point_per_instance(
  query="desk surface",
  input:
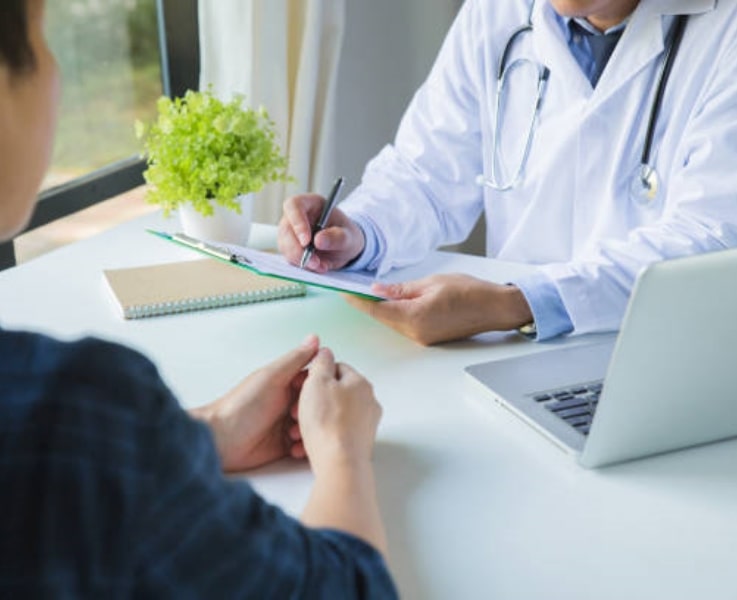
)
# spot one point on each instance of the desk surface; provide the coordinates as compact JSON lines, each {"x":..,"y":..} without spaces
{"x":477,"y":504}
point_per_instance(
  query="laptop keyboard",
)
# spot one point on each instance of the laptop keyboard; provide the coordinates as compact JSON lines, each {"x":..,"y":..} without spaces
{"x":575,"y":405}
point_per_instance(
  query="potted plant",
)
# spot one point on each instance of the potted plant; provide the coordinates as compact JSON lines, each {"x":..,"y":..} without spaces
{"x":205,"y":158}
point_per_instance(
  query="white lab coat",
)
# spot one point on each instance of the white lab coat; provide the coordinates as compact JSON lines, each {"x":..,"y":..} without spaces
{"x":573,"y":214}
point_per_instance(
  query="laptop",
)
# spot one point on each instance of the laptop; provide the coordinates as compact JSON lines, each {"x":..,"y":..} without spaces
{"x":667,"y":381}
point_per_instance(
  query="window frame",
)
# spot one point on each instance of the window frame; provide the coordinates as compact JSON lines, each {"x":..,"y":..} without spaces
{"x":180,"y":69}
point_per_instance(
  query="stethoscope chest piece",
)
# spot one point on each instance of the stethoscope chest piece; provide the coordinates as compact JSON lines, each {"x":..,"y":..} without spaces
{"x":644,"y":185}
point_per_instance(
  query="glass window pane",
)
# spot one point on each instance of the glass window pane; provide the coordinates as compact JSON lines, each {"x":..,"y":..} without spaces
{"x":108,"y":55}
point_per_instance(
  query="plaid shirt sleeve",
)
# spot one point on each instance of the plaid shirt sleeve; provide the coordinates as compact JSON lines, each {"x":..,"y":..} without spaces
{"x":110,"y":489}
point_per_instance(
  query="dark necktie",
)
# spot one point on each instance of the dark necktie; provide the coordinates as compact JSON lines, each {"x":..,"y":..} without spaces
{"x":602,"y":46}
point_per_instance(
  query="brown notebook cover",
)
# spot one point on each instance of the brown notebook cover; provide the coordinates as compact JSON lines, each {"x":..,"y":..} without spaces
{"x":191,"y":285}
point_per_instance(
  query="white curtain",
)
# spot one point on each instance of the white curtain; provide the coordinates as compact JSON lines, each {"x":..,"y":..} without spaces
{"x":282,"y":54}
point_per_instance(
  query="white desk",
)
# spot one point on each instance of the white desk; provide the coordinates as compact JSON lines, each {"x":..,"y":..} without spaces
{"x":477,"y":505}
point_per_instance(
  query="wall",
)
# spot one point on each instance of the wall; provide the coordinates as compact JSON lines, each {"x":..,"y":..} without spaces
{"x":388,"y":49}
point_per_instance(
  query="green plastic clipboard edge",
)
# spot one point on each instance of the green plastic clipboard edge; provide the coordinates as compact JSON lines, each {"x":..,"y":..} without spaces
{"x":166,"y":236}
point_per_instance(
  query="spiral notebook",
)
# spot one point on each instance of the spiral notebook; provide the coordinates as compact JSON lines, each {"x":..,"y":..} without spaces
{"x":169,"y":288}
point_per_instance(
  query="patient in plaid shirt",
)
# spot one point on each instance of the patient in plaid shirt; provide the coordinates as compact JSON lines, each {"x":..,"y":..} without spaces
{"x":109,"y":489}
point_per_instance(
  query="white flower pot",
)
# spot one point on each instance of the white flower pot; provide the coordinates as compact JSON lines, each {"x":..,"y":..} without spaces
{"x":224,"y":225}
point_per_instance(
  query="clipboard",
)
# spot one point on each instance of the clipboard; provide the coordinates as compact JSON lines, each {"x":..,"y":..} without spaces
{"x":357,"y":283}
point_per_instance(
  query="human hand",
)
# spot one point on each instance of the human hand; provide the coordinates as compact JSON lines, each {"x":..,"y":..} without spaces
{"x":336,"y":245}
{"x":441,"y":308}
{"x":252,"y":423}
{"x":338,"y":414}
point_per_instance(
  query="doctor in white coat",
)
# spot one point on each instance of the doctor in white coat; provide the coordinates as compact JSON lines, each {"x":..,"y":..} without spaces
{"x":612,"y":144}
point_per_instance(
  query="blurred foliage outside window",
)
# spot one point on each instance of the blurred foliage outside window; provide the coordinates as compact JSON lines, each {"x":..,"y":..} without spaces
{"x":108,"y":55}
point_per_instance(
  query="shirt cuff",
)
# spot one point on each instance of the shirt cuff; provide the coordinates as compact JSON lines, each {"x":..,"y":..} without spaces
{"x":374,"y":573}
{"x":368,"y":259}
{"x":548,"y":311}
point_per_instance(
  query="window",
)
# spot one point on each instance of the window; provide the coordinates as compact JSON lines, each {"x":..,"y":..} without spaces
{"x":108,"y":55}
{"x":116,"y":57}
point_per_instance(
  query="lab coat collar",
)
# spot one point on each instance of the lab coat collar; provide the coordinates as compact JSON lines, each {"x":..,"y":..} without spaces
{"x":642,"y":42}
{"x":676,"y":7}
{"x":551,"y":47}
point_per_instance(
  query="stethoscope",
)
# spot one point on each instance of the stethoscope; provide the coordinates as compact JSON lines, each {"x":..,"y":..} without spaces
{"x":645,"y":181}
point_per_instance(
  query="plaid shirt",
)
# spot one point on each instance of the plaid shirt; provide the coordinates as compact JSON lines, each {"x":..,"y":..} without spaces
{"x":109,"y":489}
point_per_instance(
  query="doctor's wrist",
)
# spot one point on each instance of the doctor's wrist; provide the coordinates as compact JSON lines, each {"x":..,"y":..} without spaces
{"x":364,"y":246}
{"x":518,"y":310}
{"x":359,"y":236}
{"x":497,"y":307}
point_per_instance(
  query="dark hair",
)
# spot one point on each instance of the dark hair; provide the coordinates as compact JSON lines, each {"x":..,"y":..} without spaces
{"x":15,"y":47}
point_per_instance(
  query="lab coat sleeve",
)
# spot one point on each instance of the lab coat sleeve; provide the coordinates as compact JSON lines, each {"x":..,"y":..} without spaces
{"x":420,"y":192}
{"x":700,"y":212}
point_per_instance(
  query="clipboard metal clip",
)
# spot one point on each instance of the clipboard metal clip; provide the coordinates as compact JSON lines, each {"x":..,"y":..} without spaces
{"x":217,"y":251}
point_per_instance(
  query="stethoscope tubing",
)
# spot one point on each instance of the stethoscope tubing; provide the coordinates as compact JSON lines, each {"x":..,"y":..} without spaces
{"x":648,"y":175}
{"x":670,"y":56}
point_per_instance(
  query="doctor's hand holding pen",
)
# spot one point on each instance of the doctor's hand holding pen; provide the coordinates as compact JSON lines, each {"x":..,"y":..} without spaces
{"x":331,"y":246}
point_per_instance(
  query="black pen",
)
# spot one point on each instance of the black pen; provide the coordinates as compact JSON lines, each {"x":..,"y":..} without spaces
{"x":330,"y":203}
